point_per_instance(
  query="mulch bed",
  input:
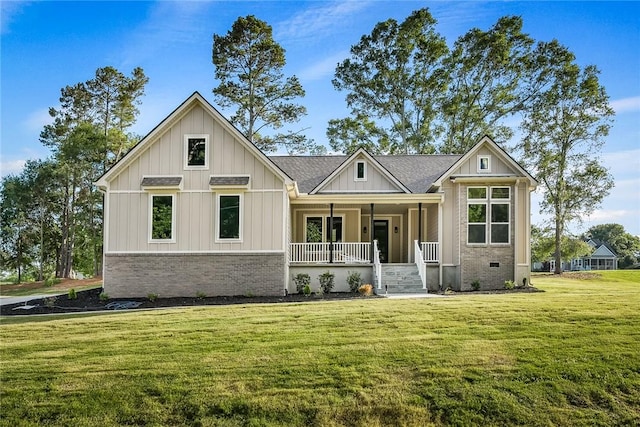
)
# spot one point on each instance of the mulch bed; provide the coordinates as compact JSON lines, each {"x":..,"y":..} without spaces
{"x":89,"y":300}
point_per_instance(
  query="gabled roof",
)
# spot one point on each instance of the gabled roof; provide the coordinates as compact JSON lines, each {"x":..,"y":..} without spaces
{"x":184,"y":108}
{"x":414,"y":172}
{"x":486,"y":140}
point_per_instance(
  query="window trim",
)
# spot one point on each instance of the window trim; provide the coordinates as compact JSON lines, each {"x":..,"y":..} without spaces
{"x":219,"y":239}
{"x":325,"y":221}
{"x":173,"y":218}
{"x":482,"y":157}
{"x":364,"y":171}
{"x":189,"y":136}
{"x":489,"y":202}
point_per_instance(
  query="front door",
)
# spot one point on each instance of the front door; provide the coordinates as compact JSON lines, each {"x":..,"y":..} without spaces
{"x":381,"y":234}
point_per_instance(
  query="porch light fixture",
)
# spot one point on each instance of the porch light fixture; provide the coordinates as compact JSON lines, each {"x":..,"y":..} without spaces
{"x":395,"y":230}
{"x":364,"y":229}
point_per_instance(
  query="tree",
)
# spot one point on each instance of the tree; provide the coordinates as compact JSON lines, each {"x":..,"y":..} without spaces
{"x":563,"y":132}
{"x":395,"y":81}
{"x":248,"y":64}
{"x":625,"y":245}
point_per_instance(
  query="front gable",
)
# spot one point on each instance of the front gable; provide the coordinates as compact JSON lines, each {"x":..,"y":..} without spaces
{"x":360,"y":173}
{"x":603,"y":252}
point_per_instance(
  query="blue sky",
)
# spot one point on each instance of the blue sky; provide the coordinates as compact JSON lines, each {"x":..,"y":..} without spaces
{"x":48,"y":45}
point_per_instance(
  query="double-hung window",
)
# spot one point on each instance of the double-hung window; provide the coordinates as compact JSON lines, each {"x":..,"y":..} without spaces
{"x":318,"y":229}
{"x":488,"y":215}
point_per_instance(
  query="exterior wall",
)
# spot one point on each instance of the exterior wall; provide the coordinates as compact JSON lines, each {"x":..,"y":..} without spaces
{"x":352,"y":227}
{"x":522,"y":242}
{"x":341,"y":272}
{"x":345,"y":182}
{"x":175,"y":275}
{"x":476,"y":260}
{"x":470,"y":167}
{"x":450,"y":225}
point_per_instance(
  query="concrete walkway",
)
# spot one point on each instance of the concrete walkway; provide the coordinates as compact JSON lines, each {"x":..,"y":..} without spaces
{"x":4,"y":300}
{"x":410,"y":296}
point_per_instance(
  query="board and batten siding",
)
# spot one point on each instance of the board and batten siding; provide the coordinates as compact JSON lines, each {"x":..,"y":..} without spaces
{"x":345,"y":181}
{"x":497,"y":166}
{"x":263,"y":203}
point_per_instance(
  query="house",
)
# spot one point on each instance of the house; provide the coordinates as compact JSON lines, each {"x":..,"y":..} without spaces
{"x":602,"y":257}
{"x":195,"y":208}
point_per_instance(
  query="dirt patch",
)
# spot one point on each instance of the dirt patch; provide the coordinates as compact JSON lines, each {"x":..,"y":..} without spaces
{"x":89,"y":300}
{"x":63,"y":286}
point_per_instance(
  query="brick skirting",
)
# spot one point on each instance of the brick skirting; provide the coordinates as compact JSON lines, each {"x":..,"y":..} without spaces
{"x":186,"y":275}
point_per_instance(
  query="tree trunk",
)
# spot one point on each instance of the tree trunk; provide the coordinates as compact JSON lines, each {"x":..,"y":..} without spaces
{"x":558,"y":253}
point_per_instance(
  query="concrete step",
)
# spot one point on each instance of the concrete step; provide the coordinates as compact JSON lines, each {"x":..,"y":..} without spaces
{"x":401,"y":279}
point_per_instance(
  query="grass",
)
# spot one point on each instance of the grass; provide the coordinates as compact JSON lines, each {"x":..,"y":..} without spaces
{"x":566,"y":356}
{"x":37,"y":288}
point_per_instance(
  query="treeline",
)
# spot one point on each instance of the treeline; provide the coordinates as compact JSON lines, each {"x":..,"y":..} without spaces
{"x":51,"y":214}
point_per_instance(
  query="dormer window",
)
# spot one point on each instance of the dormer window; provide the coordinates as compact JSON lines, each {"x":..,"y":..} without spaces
{"x":361,"y":170}
{"x":196,"y":151}
{"x":484,"y":164}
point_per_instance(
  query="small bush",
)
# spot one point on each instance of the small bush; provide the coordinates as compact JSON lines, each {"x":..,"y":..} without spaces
{"x":365,"y":290}
{"x":509,"y":284}
{"x":306,"y":290}
{"x":201,"y":295}
{"x":152,"y":297}
{"x":103,"y":296}
{"x":326,"y":280}
{"x":301,"y":280}
{"x":72,"y":294}
{"x":475,"y":285}
{"x":354,"y":280}
{"x":50,"y":301}
{"x":51,"y":280}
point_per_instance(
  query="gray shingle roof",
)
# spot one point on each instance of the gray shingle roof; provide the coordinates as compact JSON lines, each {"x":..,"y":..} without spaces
{"x":416,"y":172}
{"x":161,"y":181}
{"x":229,"y":180}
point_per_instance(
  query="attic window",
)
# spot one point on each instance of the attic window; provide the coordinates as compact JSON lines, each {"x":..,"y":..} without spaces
{"x":484,"y":164}
{"x":361,"y":170}
{"x":196,"y":151}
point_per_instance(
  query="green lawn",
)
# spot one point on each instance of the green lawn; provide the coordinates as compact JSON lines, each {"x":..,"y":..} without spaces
{"x":566,"y":356}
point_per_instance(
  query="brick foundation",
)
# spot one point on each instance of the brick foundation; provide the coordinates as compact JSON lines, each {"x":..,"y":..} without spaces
{"x":186,"y":275}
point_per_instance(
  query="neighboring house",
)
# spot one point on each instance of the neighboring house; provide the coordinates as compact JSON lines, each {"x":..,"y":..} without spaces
{"x":195,"y":208}
{"x":602,"y":257}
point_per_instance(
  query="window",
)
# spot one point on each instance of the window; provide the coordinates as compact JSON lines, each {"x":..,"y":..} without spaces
{"x":484,"y":163}
{"x":162,"y":224}
{"x":318,"y":229}
{"x":229,"y":217}
{"x":196,"y":148}
{"x":498,"y":218}
{"x":361,"y":170}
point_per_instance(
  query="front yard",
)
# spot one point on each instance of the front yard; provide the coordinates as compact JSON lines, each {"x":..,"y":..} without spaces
{"x":566,"y":356}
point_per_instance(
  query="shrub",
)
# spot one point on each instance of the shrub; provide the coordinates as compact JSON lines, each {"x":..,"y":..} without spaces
{"x":51,"y":280}
{"x":354,"y":280}
{"x":152,"y":297}
{"x":509,"y":284}
{"x":72,"y":294}
{"x":306,"y":290}
{"x":50,"y":301}
{"x":475,"y":285}
{"x":326,"y":280}
{"x":201,"y":295}
{"x":365,"y":290}
{"x":301,"y":280}
{"x":103,"y":296}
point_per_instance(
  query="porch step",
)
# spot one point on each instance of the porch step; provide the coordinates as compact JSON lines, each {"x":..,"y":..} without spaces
{"x":401,"y":279}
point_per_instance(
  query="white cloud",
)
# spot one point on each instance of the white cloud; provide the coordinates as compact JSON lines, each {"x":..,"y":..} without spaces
{"x":623,"y":163}
{"x":10,"y":167}
{"x":37,"y":119}
{"x":8,"y":11}
{"x":626,"y":105}
{"x":323,"y":68}
{"x":318,"y":21}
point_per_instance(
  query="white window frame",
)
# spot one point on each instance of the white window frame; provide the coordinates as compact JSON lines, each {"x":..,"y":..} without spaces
{"x":482,"y":157}
{"x":325,"y":222}
{"x":489,"y":202}
{"x":364,"y":169}
{"x":207,"y":154}
{"x":173,"y":218}
{"x":218,"y":239}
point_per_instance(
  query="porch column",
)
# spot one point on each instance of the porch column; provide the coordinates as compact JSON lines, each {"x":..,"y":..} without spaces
{"x":371,"y":234}
{"x":419,"y":223}
{"x":330,"y":233}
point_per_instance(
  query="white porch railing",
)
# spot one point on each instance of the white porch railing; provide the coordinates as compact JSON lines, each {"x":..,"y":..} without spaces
{"x":430,"y":251}
{"x":377,"y":266}
{"x":318,"y":253}
{"x":422,"y":266}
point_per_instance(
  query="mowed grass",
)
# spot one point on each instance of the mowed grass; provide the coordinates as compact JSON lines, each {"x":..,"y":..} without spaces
{"x":566,"y":356}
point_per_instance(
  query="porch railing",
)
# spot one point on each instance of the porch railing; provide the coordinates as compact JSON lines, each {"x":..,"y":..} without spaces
{"x":377,"y":266}
{"x":420,"y":263}
{"x":318,"y":253}
{"x":430,"y":251}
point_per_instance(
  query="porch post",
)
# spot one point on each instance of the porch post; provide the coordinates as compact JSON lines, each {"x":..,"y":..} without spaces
{"x":371,"y":233}
{"x":419,"y":223}
{"x":330,"y":233}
